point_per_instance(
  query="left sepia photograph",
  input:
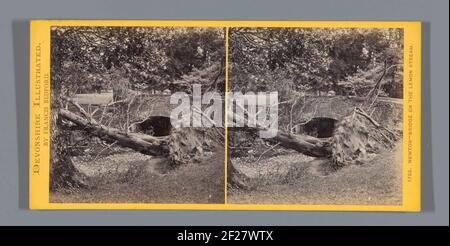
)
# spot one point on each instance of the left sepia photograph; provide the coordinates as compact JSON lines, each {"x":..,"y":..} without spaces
{"x":112,"y":112}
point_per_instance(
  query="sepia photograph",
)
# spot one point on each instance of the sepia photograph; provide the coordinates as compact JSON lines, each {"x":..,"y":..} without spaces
{"x":112,"y":101}
{"x":337,"y":138}
{"x":222,"y":115}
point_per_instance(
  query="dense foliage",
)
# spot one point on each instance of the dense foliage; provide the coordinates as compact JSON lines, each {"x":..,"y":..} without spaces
{"x":315,"y":60}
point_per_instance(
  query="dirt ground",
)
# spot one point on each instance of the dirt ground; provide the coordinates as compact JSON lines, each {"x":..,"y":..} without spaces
{"x":298,"y":179}
{"x":290,"y":178}
{"x":130,"y":177}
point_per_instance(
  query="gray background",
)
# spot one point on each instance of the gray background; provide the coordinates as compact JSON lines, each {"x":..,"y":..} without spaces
{"x":14,"y":38}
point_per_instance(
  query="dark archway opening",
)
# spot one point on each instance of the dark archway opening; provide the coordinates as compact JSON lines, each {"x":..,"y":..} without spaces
{"x":320,"y":127}
{"x":154,"y":125}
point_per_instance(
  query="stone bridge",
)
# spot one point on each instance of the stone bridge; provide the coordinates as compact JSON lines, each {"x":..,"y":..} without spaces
{"x":387,"y":111}
{"x":328,"y":110}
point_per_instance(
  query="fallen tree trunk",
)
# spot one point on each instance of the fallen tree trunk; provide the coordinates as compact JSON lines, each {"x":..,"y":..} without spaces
{"x":304,"y":144}
{"x":150,"y":145}
{"x":180,"y":147}
{"x":142,"y":143}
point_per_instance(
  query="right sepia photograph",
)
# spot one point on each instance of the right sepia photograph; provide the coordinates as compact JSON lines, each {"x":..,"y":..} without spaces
{"x":330,"y":102}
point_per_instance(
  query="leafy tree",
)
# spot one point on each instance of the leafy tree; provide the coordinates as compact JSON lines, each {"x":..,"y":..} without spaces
{"x":93,"y":59}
